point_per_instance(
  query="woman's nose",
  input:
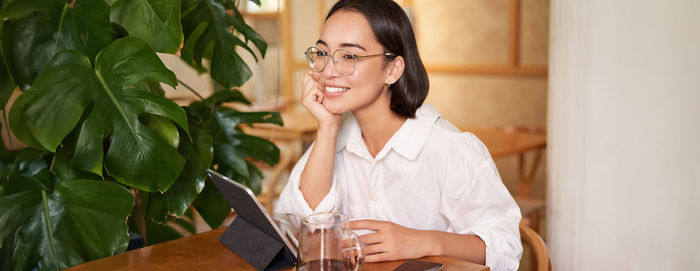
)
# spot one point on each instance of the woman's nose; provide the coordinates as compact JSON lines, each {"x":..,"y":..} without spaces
{"x":331,"y":70}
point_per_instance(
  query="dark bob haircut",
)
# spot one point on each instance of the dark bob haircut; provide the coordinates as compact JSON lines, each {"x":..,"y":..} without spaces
{"x":394,"y":32}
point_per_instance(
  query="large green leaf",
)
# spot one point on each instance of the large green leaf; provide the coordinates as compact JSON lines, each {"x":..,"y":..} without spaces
{"x":228,"y":119}
{"x":158,"y":233}
{"x":226,"y":96}
{"x":80,"y":220}
{"x":164,"y":128}
{"x":66,"y":168}
{"x":231,"y":162}
{"x":6,"y":246}
{"x":6,"y":158}
{"x":152,"y":232}
{"x":178,"y":198}
{"x":18,"y":8}
{"x":211,"y":205}
{"x":136,"y":155}
{"x":231,"y":145}
{"x":155,"y":21}
{"x":31,"y":40}
{"x":206,"y":24}
{"x":7,"y":84}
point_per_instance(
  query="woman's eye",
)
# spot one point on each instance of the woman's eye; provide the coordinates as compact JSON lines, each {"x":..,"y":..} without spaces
{"x":348,"y":56}
{"x":322,"y":53}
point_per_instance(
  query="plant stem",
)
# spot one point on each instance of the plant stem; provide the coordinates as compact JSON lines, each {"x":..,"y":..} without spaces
{"x":140,"y":216}
{"x":49,"y":228}
{"x":7,"y":130}
{"x":191,"y":89}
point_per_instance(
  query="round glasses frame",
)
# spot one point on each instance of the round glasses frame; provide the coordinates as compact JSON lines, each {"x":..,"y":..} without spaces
{"x":346,"y":59}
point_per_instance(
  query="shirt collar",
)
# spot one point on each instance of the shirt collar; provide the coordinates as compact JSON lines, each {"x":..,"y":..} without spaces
{"x":408,"y":141}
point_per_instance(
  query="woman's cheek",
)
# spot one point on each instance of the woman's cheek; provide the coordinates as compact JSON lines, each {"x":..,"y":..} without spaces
{"x":316,"y":76}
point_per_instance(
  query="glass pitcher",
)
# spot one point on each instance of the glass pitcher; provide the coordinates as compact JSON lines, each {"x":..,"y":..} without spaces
{"x":327,"y":243}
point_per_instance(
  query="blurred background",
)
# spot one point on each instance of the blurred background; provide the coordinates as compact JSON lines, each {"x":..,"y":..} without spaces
{"x":486,"y":61}
{"x":590,"y":108}
{"x":612,"y":85}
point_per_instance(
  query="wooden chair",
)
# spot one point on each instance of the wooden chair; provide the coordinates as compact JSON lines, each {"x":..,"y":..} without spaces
{"x":542,"y":259}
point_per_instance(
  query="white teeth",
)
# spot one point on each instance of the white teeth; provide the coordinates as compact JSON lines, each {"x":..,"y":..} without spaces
{"x":335,"y":89}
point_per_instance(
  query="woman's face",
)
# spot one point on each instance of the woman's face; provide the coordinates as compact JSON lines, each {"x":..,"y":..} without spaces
{"x":366,"y":86}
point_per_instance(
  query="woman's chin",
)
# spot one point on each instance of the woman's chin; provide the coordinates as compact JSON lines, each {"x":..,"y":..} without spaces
{"x":335,"y":108}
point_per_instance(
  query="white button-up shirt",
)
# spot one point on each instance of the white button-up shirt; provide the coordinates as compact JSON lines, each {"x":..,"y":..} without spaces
{"x":428,"y":176}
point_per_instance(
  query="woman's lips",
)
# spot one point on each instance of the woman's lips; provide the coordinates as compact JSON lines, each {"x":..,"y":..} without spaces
{"x":334,"y":91}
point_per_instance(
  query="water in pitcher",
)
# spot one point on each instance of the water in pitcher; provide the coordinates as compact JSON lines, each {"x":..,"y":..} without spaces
{"x":326,"y":265}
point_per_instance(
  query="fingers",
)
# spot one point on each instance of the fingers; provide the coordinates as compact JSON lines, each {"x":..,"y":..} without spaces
{"x":309,"y":83}
{"x":371,"y":238}
{"x":313,"y":99}
{"x":311,"y":89}
{"x":390,"y":241}
{"x":369,"y":224}
{"x":375,"y":248}
{"x":389,"y":251}
{"x":380,"y":257}
{"x":380,"y":253}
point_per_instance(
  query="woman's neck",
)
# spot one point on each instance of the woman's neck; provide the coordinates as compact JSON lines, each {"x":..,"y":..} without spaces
{"x":378,"y":124}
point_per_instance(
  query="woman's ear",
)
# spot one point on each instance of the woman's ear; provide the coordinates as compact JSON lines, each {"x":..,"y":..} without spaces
{"x":395,"y":70}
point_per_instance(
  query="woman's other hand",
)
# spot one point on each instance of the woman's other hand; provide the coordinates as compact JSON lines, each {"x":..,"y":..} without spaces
{"x":391,"y":241}
{"x":312,"y":98}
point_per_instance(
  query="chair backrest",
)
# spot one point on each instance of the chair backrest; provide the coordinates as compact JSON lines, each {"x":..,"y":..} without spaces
{"x":540,"y":249}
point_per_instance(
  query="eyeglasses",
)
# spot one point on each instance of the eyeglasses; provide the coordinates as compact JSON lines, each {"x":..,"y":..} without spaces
{"x":343,"y":60}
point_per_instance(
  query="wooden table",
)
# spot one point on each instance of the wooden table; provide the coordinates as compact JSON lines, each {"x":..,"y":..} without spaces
{"x":502,"y":143}
{"x":204,"y":252}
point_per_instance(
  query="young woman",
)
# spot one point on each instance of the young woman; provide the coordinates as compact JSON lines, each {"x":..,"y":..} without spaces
{"x":420,"y":184}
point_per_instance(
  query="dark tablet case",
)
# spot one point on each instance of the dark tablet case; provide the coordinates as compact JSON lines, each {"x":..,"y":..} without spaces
{"x":252,"y":235}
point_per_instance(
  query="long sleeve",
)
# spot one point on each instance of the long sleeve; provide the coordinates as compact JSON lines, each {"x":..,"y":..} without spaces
{"x":475,"y":201}
{"x":291,"y":201}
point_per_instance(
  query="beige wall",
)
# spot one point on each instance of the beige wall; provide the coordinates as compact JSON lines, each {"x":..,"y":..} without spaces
{"x":475,"y":34}
{"x":624,"y":135}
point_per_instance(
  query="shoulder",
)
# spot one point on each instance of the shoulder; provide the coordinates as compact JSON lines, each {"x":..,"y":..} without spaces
{"x":432,"y":137}
{"x":457,"y":158}
{"x":452,"y":143}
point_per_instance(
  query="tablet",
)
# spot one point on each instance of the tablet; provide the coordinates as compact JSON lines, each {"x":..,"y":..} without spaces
{"x":247,"y":206}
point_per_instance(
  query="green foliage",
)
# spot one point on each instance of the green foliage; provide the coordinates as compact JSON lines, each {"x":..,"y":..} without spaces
{"x":107,"y":152}
{"x":231,"y":146}
{"x":60,"y":224}
{"x":190,"y":183}
{"x":211,"y":205}
{"x":155,"y":21}
{"x":48,"y":27}
{"x":7,"y":84}
{"x":223,"y":124}
{"x":134,"y":151}
{"x":205,"y":24}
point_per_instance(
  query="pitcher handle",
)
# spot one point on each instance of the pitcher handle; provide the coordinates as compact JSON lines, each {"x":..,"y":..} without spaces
{"x":357,"y":249}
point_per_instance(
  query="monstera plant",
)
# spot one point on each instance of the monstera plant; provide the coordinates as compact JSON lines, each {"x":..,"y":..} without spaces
{"x":107,"y":152}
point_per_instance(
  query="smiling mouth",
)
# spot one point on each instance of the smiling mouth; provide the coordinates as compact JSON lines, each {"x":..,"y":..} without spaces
{"x":336,"y":90}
